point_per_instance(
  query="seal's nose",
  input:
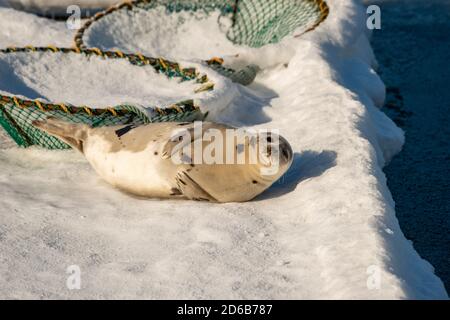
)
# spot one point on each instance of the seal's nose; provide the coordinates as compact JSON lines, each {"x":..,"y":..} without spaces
{"x":286,"y":151}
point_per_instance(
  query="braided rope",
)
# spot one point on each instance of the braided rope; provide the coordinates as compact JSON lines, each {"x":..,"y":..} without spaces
{"x":16,"y":114}
{"x":324,"y":12}
{"x":130,"y":5}
{"x":232,"y":7}
{"x":171,"y":69}
{"x":78,"y":39}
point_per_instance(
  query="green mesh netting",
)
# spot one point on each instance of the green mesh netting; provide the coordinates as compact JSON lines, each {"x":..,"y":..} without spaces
{"x":260,"y":22}
{"x":17,"y":115}
{"x":18,"y":121}
{"x":256,"y":23}
{"x":253,"y":23}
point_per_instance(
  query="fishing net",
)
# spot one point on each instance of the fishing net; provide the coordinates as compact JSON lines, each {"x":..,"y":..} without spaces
{"x":252,"y":23}
{"x":260,"y":22}
{"x":17,"y":114}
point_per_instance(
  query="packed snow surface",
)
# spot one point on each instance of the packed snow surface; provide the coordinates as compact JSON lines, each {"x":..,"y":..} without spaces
{"x":326,"y":230}
{"x":60,"y":77}
{"x":58,"y":7}
{"x":156,"y":33}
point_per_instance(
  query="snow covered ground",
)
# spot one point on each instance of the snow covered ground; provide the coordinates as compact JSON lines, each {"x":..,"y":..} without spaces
{"x":326,"y":230}
{"x":58,"y":7}
{"x":61,"y":77}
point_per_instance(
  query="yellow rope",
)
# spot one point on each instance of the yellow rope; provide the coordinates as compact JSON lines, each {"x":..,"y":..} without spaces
{"x":160,"y":111}
{"x":39,"y":104}
{"x":16,"y":102}
{"x":88,"y":110}
{"x":207,"y":86}
{"x":216,"y":60}
{"x":45,"y":107}
{"x":179,"y":110}
{"x":98,"y":15}
{"x":53,"y":48}
{"x":128,"y":4}
{"x":140,"y":56}
{"x":113,"y":112}
{"x":119,"y":53}
{"x":161,"y":61}
{"x":64,"y":107}
{"x":97,"y":51}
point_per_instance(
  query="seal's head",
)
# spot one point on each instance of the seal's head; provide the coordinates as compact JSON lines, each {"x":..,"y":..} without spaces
{"x":249,"y":164}
{"x":275,"y":155}
{"x":226,"y":164}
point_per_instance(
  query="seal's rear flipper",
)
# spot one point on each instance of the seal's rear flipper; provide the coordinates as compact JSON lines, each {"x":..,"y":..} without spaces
{"x":71,"y":133}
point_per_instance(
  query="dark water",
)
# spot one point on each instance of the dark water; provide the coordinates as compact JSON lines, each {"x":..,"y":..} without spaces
{"x":413,"y":49}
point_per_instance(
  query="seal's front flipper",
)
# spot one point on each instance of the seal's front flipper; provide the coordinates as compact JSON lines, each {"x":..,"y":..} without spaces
{"x":191,"y":189}
{"x":71,"y":133}
{"x":180,"y":139}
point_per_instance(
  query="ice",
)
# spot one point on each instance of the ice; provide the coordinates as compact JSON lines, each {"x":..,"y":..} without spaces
{"x":319,"y":233}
